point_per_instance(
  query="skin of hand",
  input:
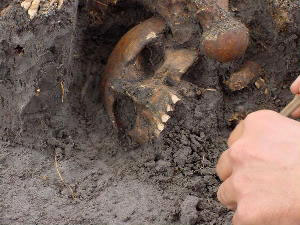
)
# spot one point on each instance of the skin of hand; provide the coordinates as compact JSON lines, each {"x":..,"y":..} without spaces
{"x":261,"y":171}
{"x":295,"y":88}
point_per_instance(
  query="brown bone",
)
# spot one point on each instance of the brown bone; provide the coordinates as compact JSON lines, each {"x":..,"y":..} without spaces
{"x":152,"y":99}
{"x":239,"y":80}
{"x":224,"y":38}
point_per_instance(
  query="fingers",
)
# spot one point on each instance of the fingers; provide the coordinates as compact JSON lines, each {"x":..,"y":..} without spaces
{"x":295,"y":87}
{"x":227,"y":195}
{"x":296,"y":114}
{"x":224,"y":166}
{"x":236,"y":133}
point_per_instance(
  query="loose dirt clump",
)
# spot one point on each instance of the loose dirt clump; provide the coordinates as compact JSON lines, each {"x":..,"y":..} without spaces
{"x":52,"y":115}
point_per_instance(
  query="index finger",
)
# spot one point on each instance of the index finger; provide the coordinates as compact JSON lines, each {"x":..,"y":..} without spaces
{"x":224,"y":166}
{"x":295,"y":87}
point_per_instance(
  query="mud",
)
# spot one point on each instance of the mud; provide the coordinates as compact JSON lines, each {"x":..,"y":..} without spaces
{"x":51,"y":111}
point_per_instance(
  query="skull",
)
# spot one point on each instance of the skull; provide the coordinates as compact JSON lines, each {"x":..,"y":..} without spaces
{"x":148,"y":99}
{"x":126,"y":85}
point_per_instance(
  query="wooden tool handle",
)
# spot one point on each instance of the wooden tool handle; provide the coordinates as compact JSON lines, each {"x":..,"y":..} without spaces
{"x":291,"y":107}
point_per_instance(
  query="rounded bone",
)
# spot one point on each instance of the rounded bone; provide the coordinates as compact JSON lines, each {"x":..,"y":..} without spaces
{"x":224,"y":38}
{"x":177,"y":62}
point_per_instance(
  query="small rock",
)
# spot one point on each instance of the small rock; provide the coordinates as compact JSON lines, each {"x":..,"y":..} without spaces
{"x":266,"y":91}
{"x":260,"y":83}
{"x":180,"y":157}
{"x":189,"y":213}
{"x":162,"y":166}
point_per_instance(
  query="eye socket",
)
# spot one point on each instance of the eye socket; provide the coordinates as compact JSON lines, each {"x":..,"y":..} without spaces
{"x":152,"y":57}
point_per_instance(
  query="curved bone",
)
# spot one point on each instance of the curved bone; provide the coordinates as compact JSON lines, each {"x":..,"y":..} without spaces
{"x":131,"y":44}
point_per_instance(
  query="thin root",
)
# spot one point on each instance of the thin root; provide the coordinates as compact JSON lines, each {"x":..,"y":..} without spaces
{"x":62,"y":91}
{"x":62,"y":179}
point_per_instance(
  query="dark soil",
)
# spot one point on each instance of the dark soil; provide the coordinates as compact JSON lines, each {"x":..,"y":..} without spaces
{"x":51,"y":111}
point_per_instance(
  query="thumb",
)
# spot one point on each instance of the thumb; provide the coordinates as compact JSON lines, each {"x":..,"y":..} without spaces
{"x":295,"y":87}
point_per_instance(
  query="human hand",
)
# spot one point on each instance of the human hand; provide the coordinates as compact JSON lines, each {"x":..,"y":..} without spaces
{"x":295,"y":89}
{"x":261,"y":171}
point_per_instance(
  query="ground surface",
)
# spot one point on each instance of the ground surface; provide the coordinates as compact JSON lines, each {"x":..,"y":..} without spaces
{"x":108,"y":179}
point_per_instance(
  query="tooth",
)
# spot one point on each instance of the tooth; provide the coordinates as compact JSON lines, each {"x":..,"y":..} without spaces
{"x":175,"y":99}
{"x":169,"y":108}
{"x":160,"y":127}
{"x":165,"y":118}
{"x":157,"y":132}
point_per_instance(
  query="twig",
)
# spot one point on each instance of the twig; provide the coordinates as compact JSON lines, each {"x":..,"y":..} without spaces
{"x":62,"y":91}
{"x":62,"y":179}
{"x":101,"y":3}
{"x":291,"y":107}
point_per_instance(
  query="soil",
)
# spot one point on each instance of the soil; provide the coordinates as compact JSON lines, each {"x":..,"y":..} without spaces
{"x":61,"y":161}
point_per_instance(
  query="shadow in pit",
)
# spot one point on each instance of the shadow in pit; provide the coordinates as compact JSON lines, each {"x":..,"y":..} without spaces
{"x":103,"y":26}
{"x":99,"y":28}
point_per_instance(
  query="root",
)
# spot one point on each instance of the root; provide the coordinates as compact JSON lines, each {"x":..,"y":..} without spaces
{"x":73,"y":194}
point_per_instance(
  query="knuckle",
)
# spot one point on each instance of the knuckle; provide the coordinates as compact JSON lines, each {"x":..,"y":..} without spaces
{"x":239,"y":183}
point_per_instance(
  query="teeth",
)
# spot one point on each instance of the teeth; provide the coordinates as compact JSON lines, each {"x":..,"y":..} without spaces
{"x":160,"y":127}
{"x":175,"y":99}
{"x":169,"y":108}
{"x":165,"y":118}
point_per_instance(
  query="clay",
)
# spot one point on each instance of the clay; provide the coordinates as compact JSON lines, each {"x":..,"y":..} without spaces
{"x":189,"y":210}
